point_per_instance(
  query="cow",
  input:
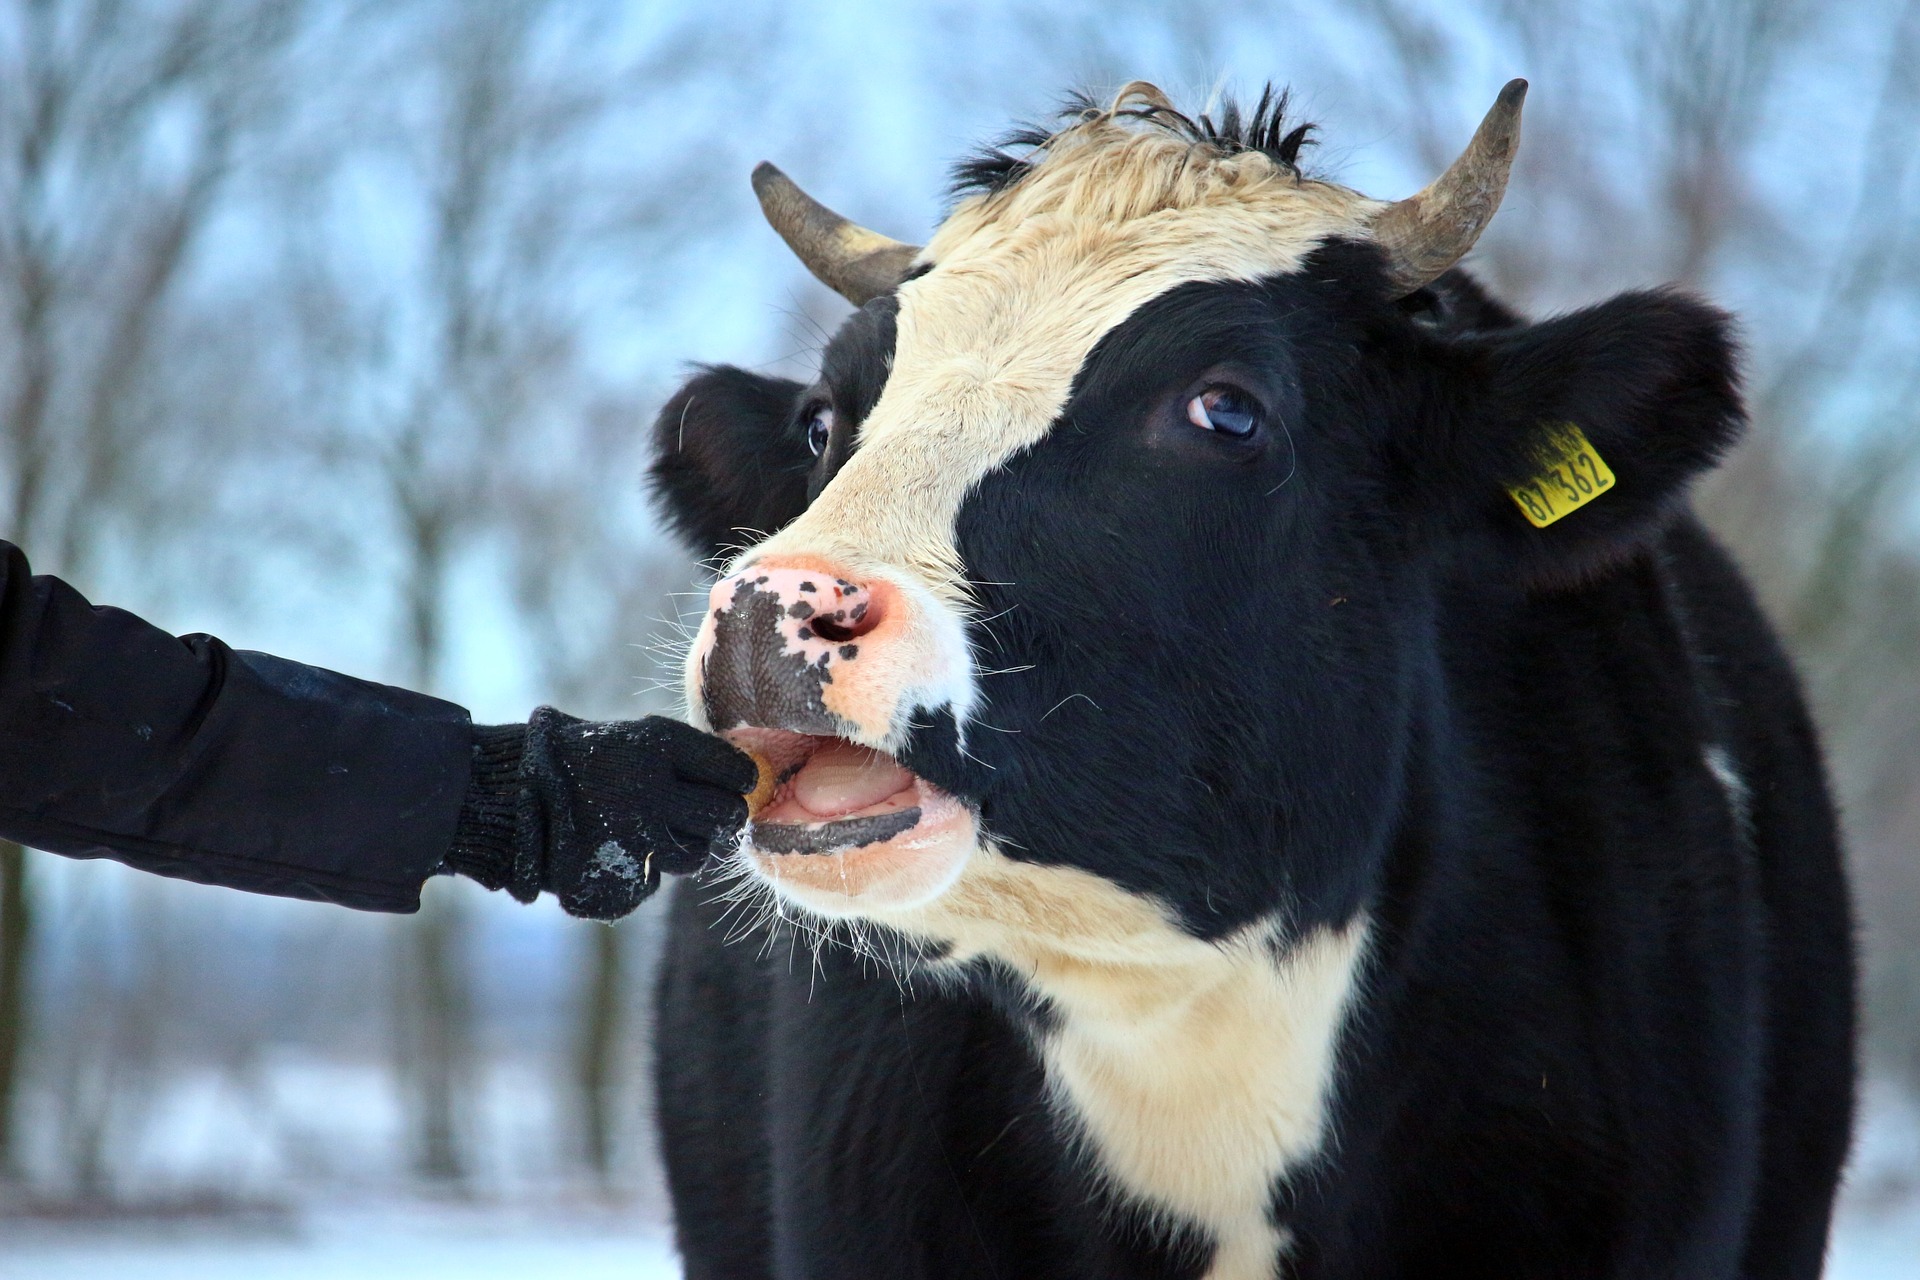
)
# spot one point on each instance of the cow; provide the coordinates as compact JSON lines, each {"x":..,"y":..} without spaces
{"x":1271,"y":777}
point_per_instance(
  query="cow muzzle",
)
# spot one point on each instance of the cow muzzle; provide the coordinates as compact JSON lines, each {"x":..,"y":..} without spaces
{"x":820,"y":671}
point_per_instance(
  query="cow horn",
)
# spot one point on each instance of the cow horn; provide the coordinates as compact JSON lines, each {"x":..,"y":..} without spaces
{"x":1431,"y":230}
{"x":854,"y":262}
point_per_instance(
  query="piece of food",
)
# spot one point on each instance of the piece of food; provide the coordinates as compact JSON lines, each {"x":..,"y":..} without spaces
{"x":764,"y":786}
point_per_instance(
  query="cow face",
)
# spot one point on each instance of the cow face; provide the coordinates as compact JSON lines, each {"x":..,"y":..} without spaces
{"x":1097,"y":588}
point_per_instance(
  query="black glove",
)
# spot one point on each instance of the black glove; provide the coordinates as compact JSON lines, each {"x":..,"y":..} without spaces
{"x":594,"y":812}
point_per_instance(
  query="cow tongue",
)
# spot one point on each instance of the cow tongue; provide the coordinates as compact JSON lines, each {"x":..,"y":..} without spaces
{"x":841,"y":779}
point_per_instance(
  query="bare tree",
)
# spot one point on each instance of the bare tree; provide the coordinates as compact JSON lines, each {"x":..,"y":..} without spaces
{"x":454,"y":376}
{"x":594,"y":581}
{"x":119,"y":126}
{"x":436,"y":446}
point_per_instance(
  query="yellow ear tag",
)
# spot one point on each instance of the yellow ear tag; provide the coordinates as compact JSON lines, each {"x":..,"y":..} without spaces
{"x":1574,"y":476}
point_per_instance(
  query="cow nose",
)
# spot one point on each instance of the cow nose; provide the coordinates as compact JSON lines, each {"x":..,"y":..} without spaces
{"x":816,"y":597}
{"x":783,"y":644}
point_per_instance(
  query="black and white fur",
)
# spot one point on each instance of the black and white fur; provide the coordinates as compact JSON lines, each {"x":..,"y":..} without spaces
{"x":1600,"y":1018}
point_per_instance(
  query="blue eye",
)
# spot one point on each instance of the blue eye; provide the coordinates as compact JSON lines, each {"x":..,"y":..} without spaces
{"x":1227,"y":410}
{"x":819,"y":428}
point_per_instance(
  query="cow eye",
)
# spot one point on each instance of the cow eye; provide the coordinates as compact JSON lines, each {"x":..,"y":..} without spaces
{"x":819,"y":427}
{"x":1228,"y":410}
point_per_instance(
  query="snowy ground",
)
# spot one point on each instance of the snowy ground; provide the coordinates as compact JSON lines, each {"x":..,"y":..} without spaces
{"x":1877,"y":1232}
{"x":437,"y":1243}
{"x":1876,"y":1237}
{"x":418,"y":1242}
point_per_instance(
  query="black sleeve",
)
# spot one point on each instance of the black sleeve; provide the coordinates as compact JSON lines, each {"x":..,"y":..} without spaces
{"x":183,"y":757}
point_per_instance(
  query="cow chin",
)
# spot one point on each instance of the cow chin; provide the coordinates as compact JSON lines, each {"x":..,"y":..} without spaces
{"x":848,"y":833}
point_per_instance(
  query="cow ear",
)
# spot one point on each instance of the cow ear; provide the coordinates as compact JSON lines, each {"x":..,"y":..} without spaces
{"x":1599,"y":419}
{"x":730,"y":458}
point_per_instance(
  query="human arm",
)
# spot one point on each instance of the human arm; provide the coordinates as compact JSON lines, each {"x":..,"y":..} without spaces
{"x":181,"y":756}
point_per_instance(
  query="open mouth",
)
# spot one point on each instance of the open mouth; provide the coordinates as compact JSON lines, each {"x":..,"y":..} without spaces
{"x":831,"y":796}
{"x":848,"y":831}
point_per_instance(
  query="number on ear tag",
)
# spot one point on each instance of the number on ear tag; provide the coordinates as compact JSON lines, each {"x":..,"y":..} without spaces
{"x":1573,"y":476}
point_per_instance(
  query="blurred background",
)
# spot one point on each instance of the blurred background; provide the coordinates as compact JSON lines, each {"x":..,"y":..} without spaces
{"x":333,"y":327}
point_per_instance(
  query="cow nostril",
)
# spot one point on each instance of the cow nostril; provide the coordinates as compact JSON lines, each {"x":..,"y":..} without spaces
{"x":857,"y":615}
{"x":832,"y":632}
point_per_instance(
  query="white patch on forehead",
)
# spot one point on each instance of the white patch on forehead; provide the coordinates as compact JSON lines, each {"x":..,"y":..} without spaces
{"x":1023,"y":285}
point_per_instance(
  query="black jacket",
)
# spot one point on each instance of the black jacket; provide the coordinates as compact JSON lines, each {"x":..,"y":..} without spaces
{"x":184,"y":757}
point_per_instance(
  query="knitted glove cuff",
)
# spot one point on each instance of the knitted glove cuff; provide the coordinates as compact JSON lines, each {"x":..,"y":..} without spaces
{"x":483,"y":838}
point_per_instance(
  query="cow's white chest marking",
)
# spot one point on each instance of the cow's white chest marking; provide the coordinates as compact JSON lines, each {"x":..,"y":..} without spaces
{"x":1199,"y":1090}
{"x":1197,"y":1073}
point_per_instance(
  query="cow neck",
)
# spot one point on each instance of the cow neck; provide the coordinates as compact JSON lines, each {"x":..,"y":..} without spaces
{"x":1198,"y":1073}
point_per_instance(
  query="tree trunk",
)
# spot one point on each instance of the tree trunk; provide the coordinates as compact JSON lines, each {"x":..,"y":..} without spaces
{"x":436,"y":1037}
{"x":15,"y":932}
{"x":597,"y":1050}
{"x":435,"y":1003}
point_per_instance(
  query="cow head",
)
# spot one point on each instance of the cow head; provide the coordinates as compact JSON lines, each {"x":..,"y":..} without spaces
{"x":1092,"y":581}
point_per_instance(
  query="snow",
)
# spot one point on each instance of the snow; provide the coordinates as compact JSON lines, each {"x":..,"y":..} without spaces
{"x":417,"y":1242}
{"x":1876,"y":1233}
{"x":543,"y":1230}
{"x":1883,"y":1246}
{"x":413,"y":1242}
